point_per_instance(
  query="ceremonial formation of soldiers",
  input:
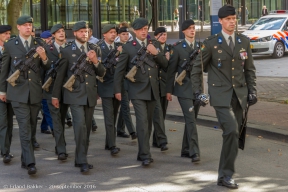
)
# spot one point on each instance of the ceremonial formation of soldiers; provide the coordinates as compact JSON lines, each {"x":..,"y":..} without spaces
{"x":121,"y":68}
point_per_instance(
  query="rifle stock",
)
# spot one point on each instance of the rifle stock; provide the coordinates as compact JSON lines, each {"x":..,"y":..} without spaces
{"x":47,"y":84}
{"x":130,"y":75}
{"x":180,"y":77}
{"x":13,"y":77}
{"x":68,"y":85}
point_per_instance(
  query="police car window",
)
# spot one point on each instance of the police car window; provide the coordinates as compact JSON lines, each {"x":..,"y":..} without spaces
{"x":268,"y":23}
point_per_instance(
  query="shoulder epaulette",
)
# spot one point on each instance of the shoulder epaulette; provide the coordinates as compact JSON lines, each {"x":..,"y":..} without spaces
{"x":242,"y":35}
{"x":11,"y":39}
{"x":68,"y":43}
{"x":178,"y":42}
{"x":211,"y":37}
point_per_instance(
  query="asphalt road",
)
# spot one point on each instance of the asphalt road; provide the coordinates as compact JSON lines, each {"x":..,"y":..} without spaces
{"x":262,"y":166}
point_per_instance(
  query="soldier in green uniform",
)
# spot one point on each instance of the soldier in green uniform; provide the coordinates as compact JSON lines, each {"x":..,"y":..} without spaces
{"x":57,"y":114}
{"x":124,"y":117}
{"x":6,"y":111}
{"x":179,"y":54}
{"x":228,"y":60}
{"x":144,"y":91}
{"x":110,"y":104}
{"x":26,"y":95}
{"x":83,"y":96}
{"x":159,"y":136}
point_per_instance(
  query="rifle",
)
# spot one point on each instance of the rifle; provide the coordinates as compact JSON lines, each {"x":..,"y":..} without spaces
{"x":187,"y":66}
{"x":243,"y":128}
{"x":139,"y":60}
{"x":25,"y":65}
{"x":52,"y":75}
{"x":78,"y":69}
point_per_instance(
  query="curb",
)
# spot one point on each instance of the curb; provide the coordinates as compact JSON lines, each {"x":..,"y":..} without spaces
{"x":262,"y":131}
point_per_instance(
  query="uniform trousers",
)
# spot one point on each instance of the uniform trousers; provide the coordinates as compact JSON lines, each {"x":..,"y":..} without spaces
{"x":6,"y":127}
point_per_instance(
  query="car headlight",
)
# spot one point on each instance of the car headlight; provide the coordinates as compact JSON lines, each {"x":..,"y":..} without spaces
{"x":264,"y":39}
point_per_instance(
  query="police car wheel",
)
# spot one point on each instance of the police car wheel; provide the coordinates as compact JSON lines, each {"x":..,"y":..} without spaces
{"x":278,"y":50}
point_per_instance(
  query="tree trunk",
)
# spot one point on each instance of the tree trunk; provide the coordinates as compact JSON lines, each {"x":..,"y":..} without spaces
{"x":14,"y":9}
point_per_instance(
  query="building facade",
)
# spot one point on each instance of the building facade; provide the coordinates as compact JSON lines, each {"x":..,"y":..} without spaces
{"x":97,"y":13}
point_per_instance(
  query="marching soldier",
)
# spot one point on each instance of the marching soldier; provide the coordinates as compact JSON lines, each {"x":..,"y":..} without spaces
{"x":81,"y":89}
{"x":180,"y":54}
{"x":124,"y":114}
{"x":159,"y":136}
{"x":57,"y":114}
{"x":228,"y":60}
{"x":144,"y":89}
{"x":24,"y":92}
{"x":6,"y":111}
{"x":110,"y":104}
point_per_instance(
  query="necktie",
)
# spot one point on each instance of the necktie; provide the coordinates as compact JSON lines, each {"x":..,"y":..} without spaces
{"x":191,"y":45}
{"x":110,"y":47}
{"x":26,"y":45}
{"x":82,"y":49}
{"x":143,"y":44}
{"x":231,"y":44}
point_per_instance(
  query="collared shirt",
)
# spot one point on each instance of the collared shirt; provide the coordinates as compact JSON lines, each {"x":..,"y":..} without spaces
{"x":140,"y":42}
{"x":23,"y":40}
{"x":58,"y":46}
{"x":226,"y":37}
{"x":93,"y":40}
{"x":1,"y":49}
{"x":108,"y":45}
{"x":78,"y":44}
{"x":188,"y":42}
{"x":163,"y":46}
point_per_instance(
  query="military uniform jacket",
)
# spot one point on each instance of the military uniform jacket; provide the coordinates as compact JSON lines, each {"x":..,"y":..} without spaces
{"x":82,"y":92}
{"x":163,"y":71}
{"x":227,"y":71}
{"x":0,"y":72}
{"x":179,"y":54}
{"x":146,"y":86}
{"x":53,"y":55}
{"x":105,"y":89}
{"x":25,"y":89}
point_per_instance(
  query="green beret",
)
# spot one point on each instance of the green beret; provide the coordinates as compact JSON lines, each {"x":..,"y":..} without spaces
{"x":160,"y":30}
{"x":108,"y":27}
{"x":24,"y":19}
{"x":5,"y":28}
{"x":80,"y":25}
{"x":226,"y":11}
{"x":187,"y":23}
{"x":56,"y":28}
{"x":139,"y":23}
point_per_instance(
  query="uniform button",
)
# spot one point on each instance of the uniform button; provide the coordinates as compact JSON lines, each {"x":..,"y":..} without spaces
{"x":149,"y":69}
{"x":233,"y":68}
{"x":86,"y":75}
{"x":86,"y":83}
{"x":29,"y":79}
{"x":160,"y":72}
{"x":29,"y":71}
{"x":159,"y":77}
{"x":213,"y":84}
{"x":233,"y":85}
{"x":232,"y":60}
{"x":149,"y":76}
{"x":232,"y":77}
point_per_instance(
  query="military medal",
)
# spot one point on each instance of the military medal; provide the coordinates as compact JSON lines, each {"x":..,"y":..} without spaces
{"x":219,"y":51}
{"x":219,"y":65}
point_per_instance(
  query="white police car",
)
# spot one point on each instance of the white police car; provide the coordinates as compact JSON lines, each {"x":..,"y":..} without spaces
{"x":269,"y":34}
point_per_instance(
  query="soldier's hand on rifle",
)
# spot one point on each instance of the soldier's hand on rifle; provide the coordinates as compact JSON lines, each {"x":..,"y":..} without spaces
{"x":169,"y":96}
{"x":119,"y":49}
{"x":252,"y":98}
{"x":118,"y":96}
{"x":92,"y":56}
{"x":152,"y":49}
{"x":55,"y":102}
{"x":167,"y":55}
{"x":3,"y":98}
{"x":41,"y":52}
